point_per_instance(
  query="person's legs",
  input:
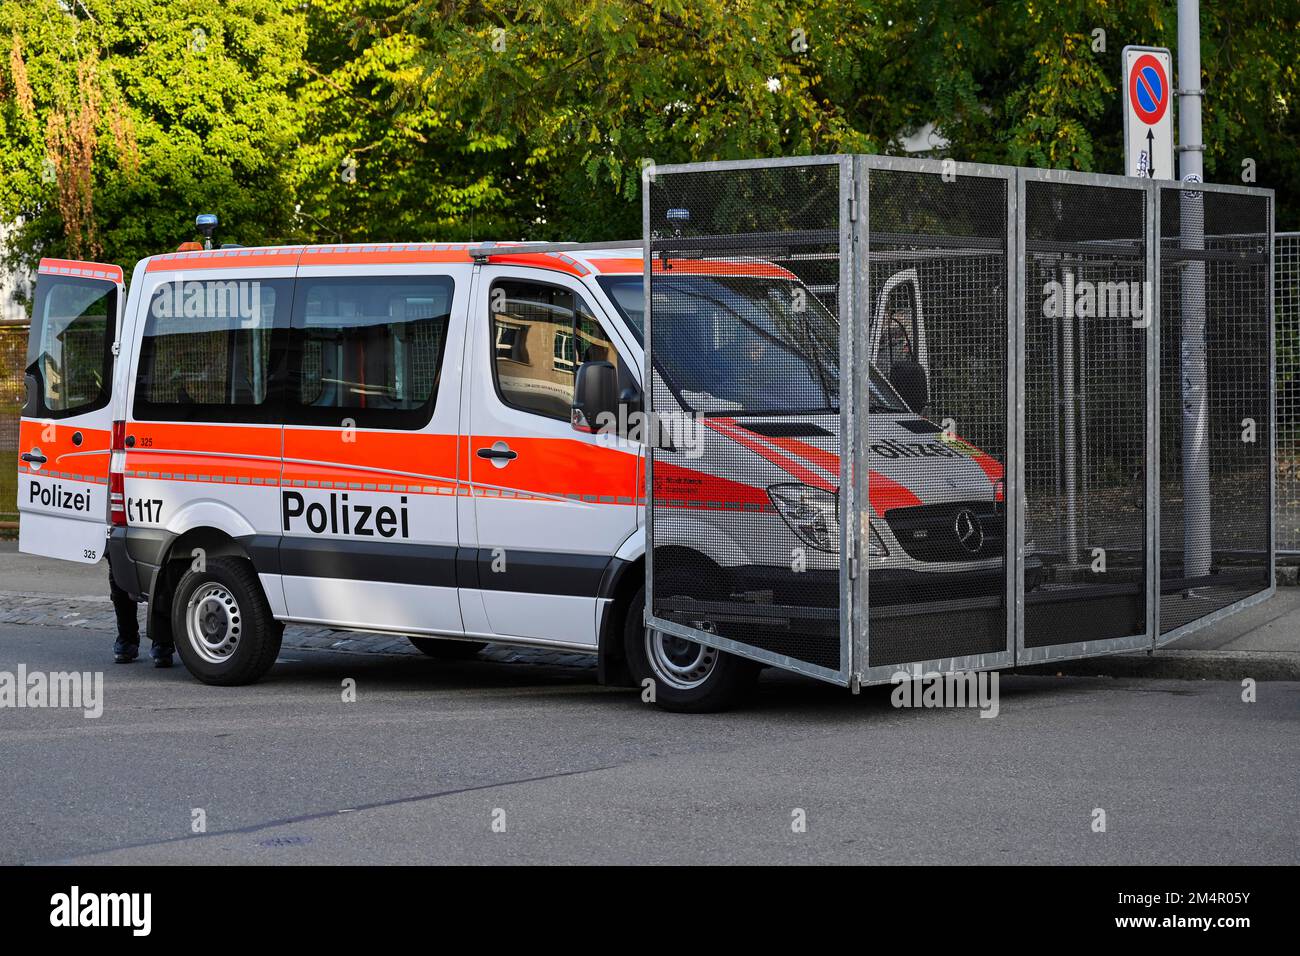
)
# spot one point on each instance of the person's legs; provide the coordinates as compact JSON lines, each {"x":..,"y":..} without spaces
{"x":127,"y":645}
{"x":161,"y":637}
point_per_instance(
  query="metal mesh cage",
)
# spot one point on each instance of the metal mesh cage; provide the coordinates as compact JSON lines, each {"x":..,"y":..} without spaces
{"x":1286,"y":299}
{"x":1061,"y":412}
{"x":1086,"y":311}
{"x":933,"y":517}
{"x":744,"y":334}
{"x":1215,"y":456}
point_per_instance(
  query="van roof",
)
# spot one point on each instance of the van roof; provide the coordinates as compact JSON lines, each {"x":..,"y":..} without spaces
{"x":625,"y":259}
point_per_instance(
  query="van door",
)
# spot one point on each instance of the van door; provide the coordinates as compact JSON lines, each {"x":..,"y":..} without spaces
{"x":551,"y":505}
{"x":370,"y":445}
{"x":898,"y":324}
{"x":65,"y":436}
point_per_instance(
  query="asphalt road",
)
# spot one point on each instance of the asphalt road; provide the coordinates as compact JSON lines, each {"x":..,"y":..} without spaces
{"x":430,"y":755}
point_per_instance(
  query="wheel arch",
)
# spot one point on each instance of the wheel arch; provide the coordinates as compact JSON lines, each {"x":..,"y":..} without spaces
{"x":620,"y":586}
{"x":179,"y":554}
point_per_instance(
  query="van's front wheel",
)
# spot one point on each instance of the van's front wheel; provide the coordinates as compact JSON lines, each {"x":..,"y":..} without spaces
{"x":222,"y":625}
{"x":688,"y":677}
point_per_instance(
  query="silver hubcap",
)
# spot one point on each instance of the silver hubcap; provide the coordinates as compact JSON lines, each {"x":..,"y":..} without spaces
{"x":213,"y":623}
{"x":678,"y":662}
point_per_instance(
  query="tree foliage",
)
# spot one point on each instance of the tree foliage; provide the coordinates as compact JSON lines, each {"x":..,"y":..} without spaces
{"x":334,"y":120}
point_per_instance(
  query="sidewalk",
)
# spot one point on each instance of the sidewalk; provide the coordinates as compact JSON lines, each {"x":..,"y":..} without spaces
{"x":1262,"y":642}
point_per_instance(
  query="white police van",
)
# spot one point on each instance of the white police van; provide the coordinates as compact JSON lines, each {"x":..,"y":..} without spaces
{"x":406,"y":439}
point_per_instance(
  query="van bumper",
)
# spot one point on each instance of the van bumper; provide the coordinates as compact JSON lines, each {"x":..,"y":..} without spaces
{"x":135,"y":554}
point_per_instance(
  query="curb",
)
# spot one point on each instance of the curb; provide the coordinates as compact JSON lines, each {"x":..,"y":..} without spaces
{"x":1180,"y":665}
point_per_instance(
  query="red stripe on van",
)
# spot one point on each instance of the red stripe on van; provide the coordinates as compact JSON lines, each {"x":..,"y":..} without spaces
{"x":826,"y":460}
{"x":678,"y":487}
{"x":886,"y":494}
{"x":786,"y":464}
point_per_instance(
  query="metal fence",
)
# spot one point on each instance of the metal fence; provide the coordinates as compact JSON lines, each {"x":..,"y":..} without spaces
{"x":1010,"y":416}
{"x":1286,"y":304}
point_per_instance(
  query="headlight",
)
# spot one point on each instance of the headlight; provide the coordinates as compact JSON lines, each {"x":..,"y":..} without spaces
{"x":875,"y":546}
{"x":811,"y":513}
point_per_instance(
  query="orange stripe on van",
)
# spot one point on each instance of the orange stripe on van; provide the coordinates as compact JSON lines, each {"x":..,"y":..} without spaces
{"x":415,"y":460}
{"x":75,"y":267}
{"x":711,"y":267}
{"x":385,"y":254}
{"x":85,"y":462}
{"x":259,"y":258}
{"x":558,"y":467}
{"x":231,"y":440}
{"x":555,"y":261}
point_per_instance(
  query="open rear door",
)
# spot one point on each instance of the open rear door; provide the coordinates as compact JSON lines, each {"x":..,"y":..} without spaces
{"x":65,"y":437}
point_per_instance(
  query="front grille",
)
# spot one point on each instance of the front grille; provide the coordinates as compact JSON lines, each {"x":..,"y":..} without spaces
{"x":931,"y":532}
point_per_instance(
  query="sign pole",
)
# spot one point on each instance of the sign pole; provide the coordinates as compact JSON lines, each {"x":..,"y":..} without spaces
{"x":1197,"y":548}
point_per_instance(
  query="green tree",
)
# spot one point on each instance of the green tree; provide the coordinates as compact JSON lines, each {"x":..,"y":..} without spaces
{"x":123,"y":118}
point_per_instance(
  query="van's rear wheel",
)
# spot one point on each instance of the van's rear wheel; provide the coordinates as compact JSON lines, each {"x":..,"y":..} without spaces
{"x":446,"y":650}
{"x":688,"y":677}
{"x":222,"y":625}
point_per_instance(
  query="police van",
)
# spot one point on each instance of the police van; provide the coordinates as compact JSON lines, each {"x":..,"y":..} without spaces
{"x":415,"y":439}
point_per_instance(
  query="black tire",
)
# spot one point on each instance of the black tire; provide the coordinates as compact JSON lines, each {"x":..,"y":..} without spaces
{"x":719,"y":680}
{"x":447,"y":650}
{"x":229,"y":636}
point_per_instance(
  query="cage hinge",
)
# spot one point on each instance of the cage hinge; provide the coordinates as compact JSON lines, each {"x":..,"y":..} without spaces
{"x":853,"y":202}
{"x":116,"y":349}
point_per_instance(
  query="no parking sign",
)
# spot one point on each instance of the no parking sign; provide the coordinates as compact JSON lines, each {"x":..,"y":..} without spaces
{"x":1148,"y":92}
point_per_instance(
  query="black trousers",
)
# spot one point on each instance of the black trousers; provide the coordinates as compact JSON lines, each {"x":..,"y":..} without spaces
{"x":128,"y":626}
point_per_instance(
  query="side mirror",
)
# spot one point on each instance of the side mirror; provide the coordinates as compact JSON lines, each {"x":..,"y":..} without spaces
{"x":909,"y":380}
{"x":595,"y":392}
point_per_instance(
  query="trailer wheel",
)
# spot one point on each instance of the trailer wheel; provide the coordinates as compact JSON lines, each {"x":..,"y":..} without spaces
{"x":447,"y":650}
{"x":688,"y":677}
{"x":223,"y":627}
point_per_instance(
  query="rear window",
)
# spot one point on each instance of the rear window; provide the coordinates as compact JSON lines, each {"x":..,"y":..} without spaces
{"x":69,"y":347}
{"x":208,"y":350}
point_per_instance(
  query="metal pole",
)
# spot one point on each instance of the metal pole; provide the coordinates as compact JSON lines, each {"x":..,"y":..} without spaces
{"x":1195,"y":393}
{"x":1069,"y":414}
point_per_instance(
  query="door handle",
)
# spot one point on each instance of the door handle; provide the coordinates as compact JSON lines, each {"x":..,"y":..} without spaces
{"x":497,"y":454}
{"x":36,"y":457}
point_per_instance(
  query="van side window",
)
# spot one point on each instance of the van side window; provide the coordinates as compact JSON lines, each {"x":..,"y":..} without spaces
{"x":900,"y":324}
{"x":369,"y":349}
{"x":69,"y":348}
{"x":207,"y":350}
{"x":542,"y":333}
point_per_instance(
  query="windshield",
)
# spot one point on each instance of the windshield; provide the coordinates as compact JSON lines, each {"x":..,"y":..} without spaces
{"x":743,"y":344}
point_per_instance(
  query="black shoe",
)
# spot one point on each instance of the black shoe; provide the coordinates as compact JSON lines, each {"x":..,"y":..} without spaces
{"x":124,"y":653}
{"x":162,"y":656}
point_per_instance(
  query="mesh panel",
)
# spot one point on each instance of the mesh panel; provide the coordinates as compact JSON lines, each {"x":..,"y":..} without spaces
{"x":1085,"y":310}
{"x":745,"y":339}
{"x":1286,"y":304}
{"x":1214,"y":402}
{"x":936,"y":422}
